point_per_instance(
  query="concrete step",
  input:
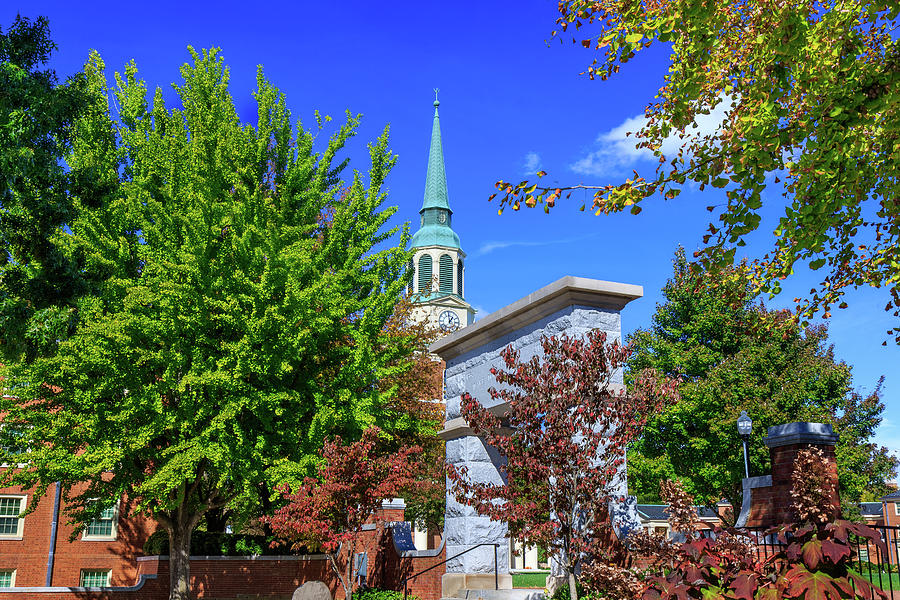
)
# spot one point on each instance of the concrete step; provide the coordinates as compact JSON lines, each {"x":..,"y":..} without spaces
{"x":491,"y":594}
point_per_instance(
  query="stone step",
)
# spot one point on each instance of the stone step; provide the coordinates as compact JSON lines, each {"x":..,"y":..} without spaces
{"x":491,"y":594}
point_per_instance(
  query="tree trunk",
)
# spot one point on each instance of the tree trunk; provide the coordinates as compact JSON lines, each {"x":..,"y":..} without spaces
{"x":348,"y":570}
{"x":179,"y":559}
{"x":573,"y":586}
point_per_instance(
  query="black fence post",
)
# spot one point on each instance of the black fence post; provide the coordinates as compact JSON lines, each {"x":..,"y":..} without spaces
{"x":496,"y":577}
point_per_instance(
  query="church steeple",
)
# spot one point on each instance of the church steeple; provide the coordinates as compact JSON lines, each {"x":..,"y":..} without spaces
{"x":436,"y":177}
{"x":435,"y":228}
{"x":438,"y":282}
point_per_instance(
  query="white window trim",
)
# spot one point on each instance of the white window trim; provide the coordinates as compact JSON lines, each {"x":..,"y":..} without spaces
{"x":897,"y":508}
{"x":21,"y":525}
{"x":104,"y":538}
{"x":105,"y":584}
{"x":12,"y":580}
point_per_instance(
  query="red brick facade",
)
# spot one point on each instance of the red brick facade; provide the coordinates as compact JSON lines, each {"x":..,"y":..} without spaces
{"x":29,"y":555}
{"x":212,"y":578}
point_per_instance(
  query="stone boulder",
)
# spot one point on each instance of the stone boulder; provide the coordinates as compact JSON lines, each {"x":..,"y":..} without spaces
{"x":312,"y":590}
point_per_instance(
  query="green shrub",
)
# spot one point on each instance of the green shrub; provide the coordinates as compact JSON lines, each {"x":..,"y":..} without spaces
{"x":204,"y":543}
{"x":562,"y":592}
{"x":378,"y":594}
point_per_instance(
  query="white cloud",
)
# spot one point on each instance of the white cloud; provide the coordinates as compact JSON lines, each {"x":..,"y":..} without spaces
{"x":490,"y":246}
{"x":532,"y":163}
{"x":617,"y":148}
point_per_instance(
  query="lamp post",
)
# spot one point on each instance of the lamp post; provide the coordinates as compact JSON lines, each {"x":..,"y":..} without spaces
{"x":745,"y":428}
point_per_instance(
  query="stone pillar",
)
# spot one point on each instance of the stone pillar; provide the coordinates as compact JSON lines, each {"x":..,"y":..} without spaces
{"x":571,"y":305}
{"x":767,"y":499}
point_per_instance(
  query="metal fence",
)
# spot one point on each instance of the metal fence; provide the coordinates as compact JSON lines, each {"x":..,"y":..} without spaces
{"x":870,"y":561}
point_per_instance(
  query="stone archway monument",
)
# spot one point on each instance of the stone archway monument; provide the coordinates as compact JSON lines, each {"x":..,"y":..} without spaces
{"x":571,"y":305}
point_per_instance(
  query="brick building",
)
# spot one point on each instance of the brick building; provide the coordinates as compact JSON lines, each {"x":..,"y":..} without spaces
{"x":38,"y":550}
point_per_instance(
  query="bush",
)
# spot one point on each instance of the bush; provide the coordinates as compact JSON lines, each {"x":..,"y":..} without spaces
{"x":562,"y":592}
{"x":204,"y":543}
{"x":379,"y":594}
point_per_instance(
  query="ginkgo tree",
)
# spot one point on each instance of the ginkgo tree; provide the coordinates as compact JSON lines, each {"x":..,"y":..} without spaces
{"x":231,"y":313}
{"x":810,"y":93}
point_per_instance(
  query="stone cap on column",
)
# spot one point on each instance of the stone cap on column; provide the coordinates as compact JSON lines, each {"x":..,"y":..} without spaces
{"x":564,"y":292}
{"x":800,"y":433}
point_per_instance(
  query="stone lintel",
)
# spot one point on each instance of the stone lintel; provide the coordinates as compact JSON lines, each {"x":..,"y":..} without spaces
{"x":800,"y":433}
{"x":455,"y":428}
{"x":568,"y":291}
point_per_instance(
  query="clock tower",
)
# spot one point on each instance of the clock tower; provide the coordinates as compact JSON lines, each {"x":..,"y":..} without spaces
{"x":438,"y":283}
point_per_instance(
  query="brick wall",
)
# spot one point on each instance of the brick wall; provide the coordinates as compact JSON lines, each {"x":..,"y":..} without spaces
{"x":212,"y":578}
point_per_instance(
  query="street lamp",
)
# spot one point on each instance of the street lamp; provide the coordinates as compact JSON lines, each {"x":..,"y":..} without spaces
{"x":745,"y":428}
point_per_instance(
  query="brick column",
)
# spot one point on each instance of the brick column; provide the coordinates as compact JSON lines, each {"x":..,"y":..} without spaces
{"x":767,"y":499}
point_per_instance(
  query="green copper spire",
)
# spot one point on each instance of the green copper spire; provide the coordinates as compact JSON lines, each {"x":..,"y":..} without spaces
{"x":435,"y":229}
{"x":436,"y":178}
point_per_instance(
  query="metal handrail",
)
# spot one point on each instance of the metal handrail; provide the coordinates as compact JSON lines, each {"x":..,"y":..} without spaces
{"x":434,"y":566}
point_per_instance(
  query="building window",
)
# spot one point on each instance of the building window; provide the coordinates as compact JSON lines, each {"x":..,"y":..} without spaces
{"x":424,"y":274}
{"x":459,"y":278}
{"x":11,"y":440}
{"x":7,"y":578}
{"x":103,"y":528}
{"x":11,"y":523}
{"x":897,"y":508}
{"x":95,"y":578}
{"x":446,"y":274}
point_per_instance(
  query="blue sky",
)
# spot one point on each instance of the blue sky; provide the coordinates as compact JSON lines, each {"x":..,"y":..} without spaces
{"x":510,"y":104}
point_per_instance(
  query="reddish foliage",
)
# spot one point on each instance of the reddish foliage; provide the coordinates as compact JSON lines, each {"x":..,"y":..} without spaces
{"x":563,"y":435}
{"x":329,"y":512}
{"x":812,"y":562}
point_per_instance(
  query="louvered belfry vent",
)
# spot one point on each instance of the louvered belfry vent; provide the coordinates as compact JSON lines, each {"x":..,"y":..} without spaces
{"x":446,"y":273}
{"x":425,"y":274}
{"x":459,"y":278}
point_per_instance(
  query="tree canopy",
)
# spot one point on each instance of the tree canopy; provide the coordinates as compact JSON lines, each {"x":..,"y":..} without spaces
{"x":36,"y":114}
{"x":233,"y":306}
{"x":732,"y":358}
{"x":811,"y":105}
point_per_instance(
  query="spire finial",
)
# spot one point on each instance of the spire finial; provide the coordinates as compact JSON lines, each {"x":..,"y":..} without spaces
{"x":436,"y":101}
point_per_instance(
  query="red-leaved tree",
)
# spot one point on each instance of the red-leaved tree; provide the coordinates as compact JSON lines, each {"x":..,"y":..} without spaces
{"x":328,"y":512}
{"x":563,"y":435}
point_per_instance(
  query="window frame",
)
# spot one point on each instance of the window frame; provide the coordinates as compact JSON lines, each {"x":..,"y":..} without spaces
{"x":12,"y":578}
{"x":81,"y":577}
{"x":897,"y":509}
{"x":20,"y":529}
{"x":86,"y":537}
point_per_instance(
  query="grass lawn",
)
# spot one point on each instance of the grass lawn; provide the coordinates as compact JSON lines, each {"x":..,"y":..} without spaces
{"x":885,"y":584}
{"x":529,"y":580}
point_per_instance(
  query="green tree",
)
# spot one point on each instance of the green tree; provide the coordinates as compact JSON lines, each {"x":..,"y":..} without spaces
{"x":234,"y":317}
{"x":36,"y":278}
{"x":744,"y":357}
{"x":811,"y":95}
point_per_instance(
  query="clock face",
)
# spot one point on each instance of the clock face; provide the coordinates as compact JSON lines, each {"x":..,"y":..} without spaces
{"x":448,"y":320}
